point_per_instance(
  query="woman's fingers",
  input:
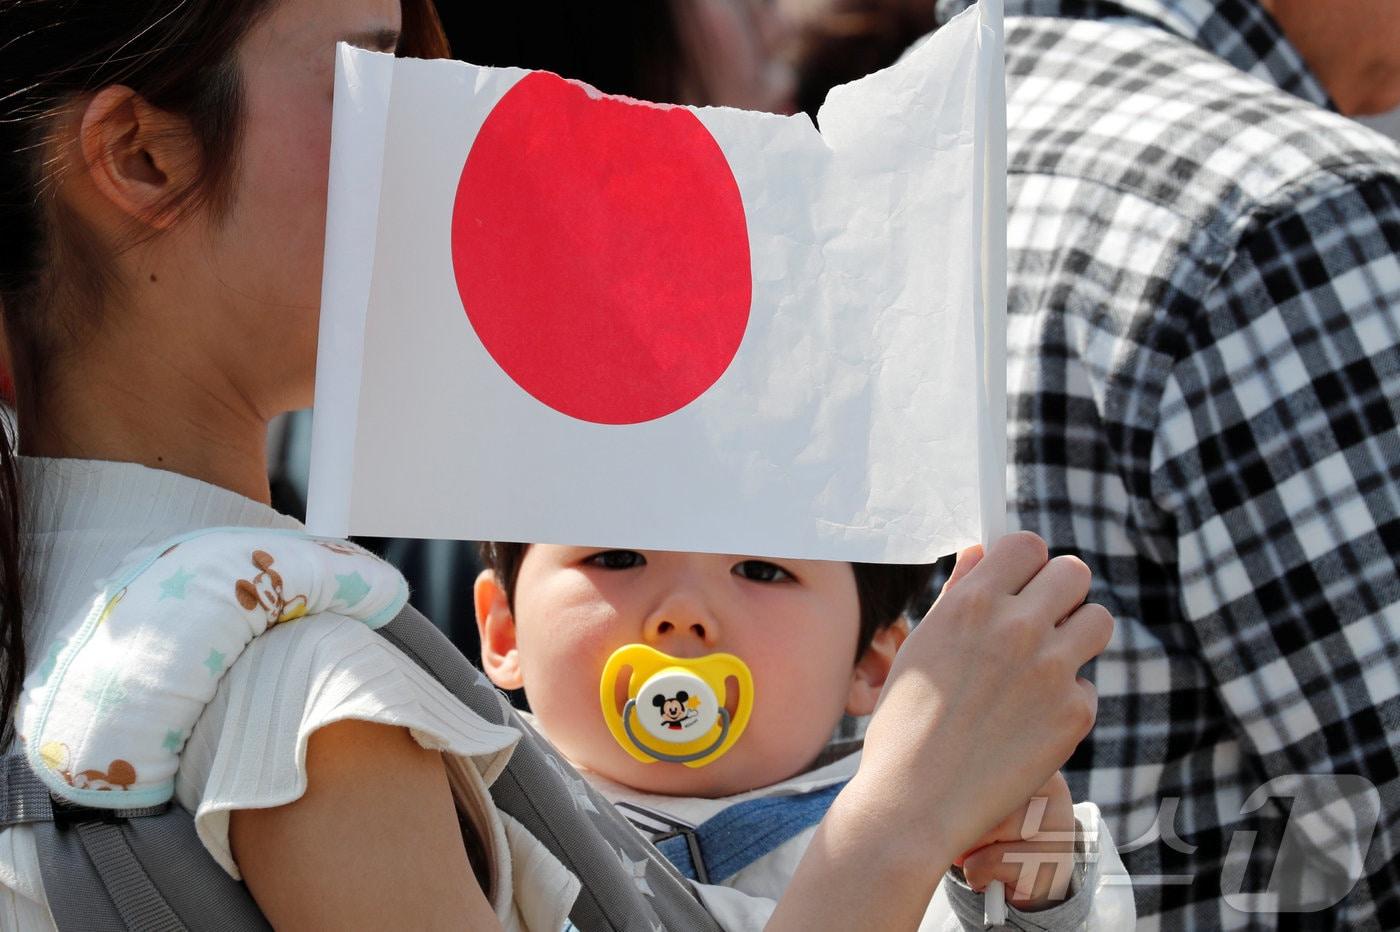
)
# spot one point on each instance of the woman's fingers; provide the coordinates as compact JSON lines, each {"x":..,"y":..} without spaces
{"x":1058,"y":589}
{"x":1008,"y":829}
{"x":1090,"y":697}
{"x":966,"y":561}
{"x":1011,"y":562}
{"x":1086,"y":632}
{"x":1034,"y":872}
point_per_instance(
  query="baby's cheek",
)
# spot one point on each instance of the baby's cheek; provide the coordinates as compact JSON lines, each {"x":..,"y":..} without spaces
{"x":791,"y":725}
{"x":561,"y":684}
{"x":551,"y":681}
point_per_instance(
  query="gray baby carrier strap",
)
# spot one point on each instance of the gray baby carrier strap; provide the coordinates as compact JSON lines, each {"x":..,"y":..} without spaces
{"x":112,"y":870}
{"x":123,"y":869}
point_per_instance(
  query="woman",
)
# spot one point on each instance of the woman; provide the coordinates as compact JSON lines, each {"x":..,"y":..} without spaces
{"x":162,"y":186}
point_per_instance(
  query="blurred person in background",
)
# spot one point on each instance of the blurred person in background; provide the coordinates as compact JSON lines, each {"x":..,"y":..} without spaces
{"x":1204,"y":393}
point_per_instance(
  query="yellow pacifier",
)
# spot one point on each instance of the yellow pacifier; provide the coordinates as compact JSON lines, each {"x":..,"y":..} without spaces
{"x":675,"y":709}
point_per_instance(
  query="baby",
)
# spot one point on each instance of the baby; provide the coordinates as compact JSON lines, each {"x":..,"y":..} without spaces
{"x":734,"y":803}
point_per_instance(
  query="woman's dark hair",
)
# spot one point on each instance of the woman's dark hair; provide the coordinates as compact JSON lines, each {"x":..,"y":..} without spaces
{"x":886,"y":590}
{"x":179,"y":55}
{"x":849,"y":39}
{"x":618,"y":46}
{"x":11,"y":595}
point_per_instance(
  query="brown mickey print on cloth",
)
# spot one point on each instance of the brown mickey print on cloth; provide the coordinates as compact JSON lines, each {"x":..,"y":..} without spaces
{"x":265,"y":591}
{"x":119,"y":775}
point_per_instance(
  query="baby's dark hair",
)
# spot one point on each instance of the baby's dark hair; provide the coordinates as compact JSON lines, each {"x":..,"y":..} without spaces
{"x":886,"y":590}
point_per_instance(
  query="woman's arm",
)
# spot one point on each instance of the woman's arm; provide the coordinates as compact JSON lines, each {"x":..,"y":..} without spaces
{"x":865,"y":868}
{"x":374,"y":843}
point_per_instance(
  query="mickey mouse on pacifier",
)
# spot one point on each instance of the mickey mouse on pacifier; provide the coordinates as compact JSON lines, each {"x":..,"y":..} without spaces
{"x":676,"y":711}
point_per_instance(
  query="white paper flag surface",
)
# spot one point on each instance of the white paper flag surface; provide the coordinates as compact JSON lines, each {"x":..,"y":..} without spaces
{"x":550,"y":315}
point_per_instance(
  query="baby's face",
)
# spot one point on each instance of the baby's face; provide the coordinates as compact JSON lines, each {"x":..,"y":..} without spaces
{"x":795,"y":623}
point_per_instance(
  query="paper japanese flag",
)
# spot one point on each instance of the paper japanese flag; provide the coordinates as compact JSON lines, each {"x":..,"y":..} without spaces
{"x":551,"y":315}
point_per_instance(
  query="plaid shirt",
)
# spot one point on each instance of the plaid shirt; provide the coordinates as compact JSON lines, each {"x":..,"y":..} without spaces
{"x":1204,"y":386}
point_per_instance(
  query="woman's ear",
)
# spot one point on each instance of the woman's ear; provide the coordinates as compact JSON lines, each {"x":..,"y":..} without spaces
{"x":873,"y":668}
{"x":138,"y":157}
{"x":500,"y":657}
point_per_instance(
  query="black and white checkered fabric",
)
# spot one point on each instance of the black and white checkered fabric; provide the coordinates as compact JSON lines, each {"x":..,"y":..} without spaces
{"x":1204,"y":383}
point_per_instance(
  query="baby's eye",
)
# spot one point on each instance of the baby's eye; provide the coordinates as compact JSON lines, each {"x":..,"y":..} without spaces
{"x":761,"y":571}
{"x":617,"y":560}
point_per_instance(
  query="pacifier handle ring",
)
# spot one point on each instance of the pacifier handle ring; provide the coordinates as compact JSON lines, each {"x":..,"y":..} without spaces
{"x":673,"y":758}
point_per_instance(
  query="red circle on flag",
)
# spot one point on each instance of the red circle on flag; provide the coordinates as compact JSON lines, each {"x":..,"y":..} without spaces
{"x":601,"y":251}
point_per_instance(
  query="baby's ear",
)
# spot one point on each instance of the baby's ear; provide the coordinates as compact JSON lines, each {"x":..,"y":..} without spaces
{"x":873,"y":668}
{"x":495,"y":622}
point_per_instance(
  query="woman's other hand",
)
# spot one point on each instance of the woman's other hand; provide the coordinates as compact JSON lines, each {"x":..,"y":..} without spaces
{"x":1031,"y":851}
